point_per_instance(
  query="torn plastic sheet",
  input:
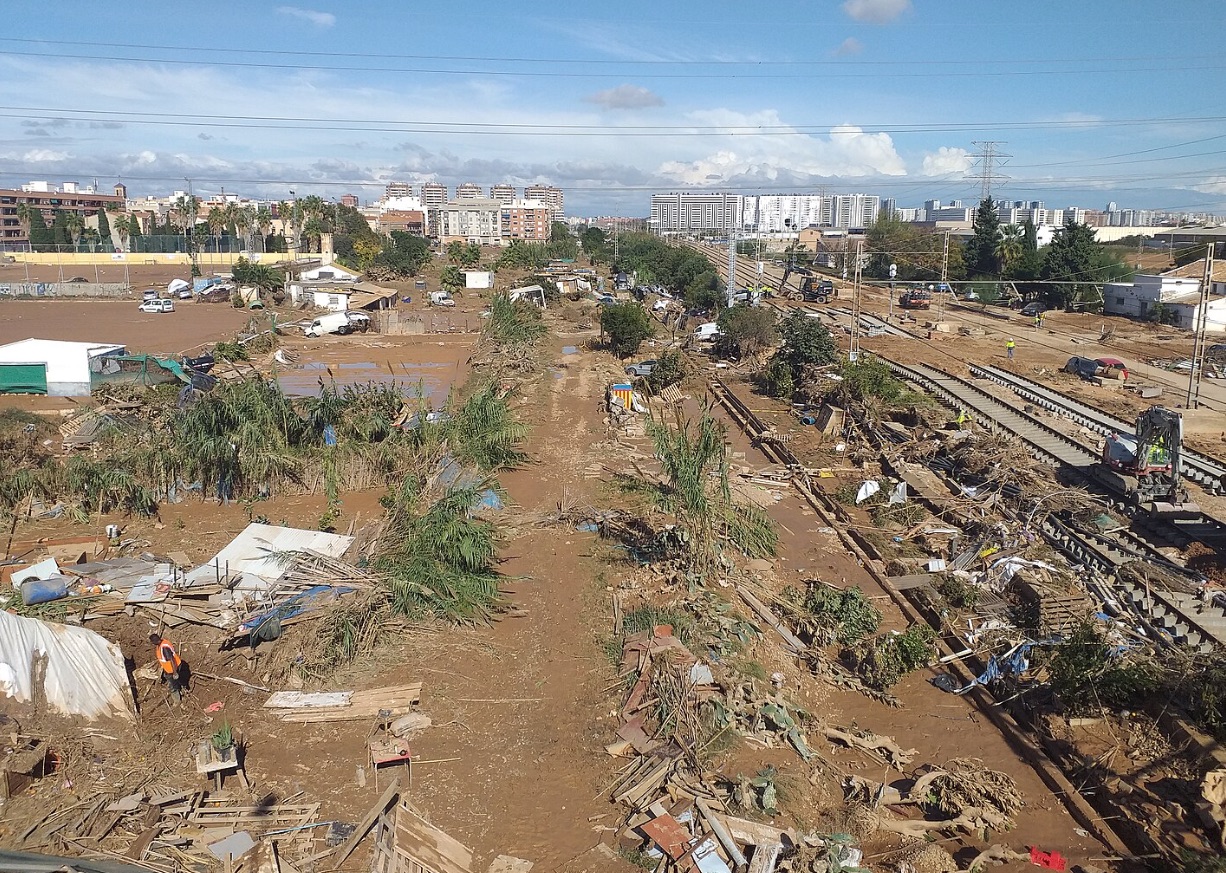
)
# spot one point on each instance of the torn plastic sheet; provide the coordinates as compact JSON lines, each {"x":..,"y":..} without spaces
{"x":867,"y":490}
{"x":82,"y":673}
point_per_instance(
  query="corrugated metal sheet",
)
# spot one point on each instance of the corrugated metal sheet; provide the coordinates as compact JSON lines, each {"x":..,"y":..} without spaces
{"x":253,"y":554}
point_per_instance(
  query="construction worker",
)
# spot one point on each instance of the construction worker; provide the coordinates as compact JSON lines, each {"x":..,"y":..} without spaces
{"x":1009,"y":347}
{"x":963,"y":419}
{"x":174,"y":670}
{"x":1038,"y":320}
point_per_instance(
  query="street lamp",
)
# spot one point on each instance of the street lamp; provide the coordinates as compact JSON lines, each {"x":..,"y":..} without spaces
{"x":893,"y":274}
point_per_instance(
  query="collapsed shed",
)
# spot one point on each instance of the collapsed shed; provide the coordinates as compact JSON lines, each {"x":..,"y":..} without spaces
{"x":74,"y":670}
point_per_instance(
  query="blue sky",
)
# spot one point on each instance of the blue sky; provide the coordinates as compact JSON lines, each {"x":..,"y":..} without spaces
{"x":1095,"y":100}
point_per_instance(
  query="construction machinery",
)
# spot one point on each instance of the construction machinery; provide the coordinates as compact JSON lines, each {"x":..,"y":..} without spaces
{"x":915,"y":298}
{"x":813,"y":289}
{"x":1147,"y":465}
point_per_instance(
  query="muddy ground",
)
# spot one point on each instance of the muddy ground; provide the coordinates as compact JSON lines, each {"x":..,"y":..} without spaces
{"x":515,"y":762}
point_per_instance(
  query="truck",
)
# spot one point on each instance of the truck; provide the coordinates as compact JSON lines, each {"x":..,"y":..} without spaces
{"x":813,"y":289}
{"x":441,"y":298}
{"x":915,"y":298}
{"x":1146,"y":465}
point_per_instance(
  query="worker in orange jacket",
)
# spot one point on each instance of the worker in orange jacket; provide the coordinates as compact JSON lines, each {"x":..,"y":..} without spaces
{"x":174,"y":670}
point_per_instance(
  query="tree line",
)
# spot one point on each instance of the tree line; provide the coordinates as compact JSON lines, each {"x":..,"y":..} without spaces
{"x":1064,"y":274}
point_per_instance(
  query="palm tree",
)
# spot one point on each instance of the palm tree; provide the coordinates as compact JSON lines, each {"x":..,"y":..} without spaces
{"x":244,"y":221}
{"x":121,"y":230}
{"x":216,"y":222}
{"x":456,"y":251}
{"x":263,"y":221}
{"x":1008,"y":249}
{"x":74,"y":223}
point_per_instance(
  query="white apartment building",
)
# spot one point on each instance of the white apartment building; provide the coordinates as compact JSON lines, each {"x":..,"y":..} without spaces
{"x":397,"y":189}
{"x":468,"y":189}
{"x":550,"y":196}
{"x":504,"y":194}
{"x":697,"y":212}
{"x":471,"y":219}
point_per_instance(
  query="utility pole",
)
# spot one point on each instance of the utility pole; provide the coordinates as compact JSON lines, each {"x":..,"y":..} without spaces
{"x":730,"y":291}
{"x":1199,"y":345}
{"x":943,"y":288}
{"x":853,"y":352}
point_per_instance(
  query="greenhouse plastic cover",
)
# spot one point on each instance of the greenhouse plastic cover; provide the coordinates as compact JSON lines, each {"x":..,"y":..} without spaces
{"x":85,"y":673}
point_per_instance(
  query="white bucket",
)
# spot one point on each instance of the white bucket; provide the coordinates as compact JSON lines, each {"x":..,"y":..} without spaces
{"x":112,"y":531}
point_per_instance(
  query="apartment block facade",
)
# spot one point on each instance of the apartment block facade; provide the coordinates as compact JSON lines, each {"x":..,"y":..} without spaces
{"x":529,"y":220}
{"x":550,"y":196}
{"x":471,"y":219}
{"x":68,"y":197}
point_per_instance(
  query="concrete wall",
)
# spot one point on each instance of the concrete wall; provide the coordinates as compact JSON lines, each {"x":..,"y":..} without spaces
{"x":65,"y":289}
{"x":204,"y":259}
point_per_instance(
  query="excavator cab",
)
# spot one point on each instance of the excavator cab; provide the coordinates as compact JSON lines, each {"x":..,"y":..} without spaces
{"x":1148,"y":463}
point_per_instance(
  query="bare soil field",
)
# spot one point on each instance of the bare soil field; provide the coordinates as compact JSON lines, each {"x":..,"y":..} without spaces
{"x":189,"y":327}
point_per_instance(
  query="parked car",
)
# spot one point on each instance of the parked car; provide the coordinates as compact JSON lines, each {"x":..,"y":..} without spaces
{"x":156,"y":305}
{"x":642,"y":368}
{"x":1112,"y":368}
{"x":1030,"y":310}
{"x":360,"y":321}
{"x":1103,"y":368}
{"x":149,"y":294}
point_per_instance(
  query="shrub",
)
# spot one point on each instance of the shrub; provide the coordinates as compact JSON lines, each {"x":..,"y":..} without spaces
{"x":627,"y":325}
{"x":886,"y":659}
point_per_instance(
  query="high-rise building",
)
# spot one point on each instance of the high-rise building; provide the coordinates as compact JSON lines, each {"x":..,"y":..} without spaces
{"x":433,"y":194}
{"x":504,"y":194}
{"x":889,"y":207}
{"x":856,"y":210}
{"x":398,"y":189}
{"x":468,"y":189}
{"x":697,"y":212}
{"x":349,"y":200}
{"x":550,"y":196}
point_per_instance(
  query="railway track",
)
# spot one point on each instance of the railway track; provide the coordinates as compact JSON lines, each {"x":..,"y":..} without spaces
{"x":1205,"y":471}
{"x":1176,"y":613}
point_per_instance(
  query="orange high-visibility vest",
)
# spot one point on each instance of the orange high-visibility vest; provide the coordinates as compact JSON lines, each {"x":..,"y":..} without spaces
{"x":167,"y":656}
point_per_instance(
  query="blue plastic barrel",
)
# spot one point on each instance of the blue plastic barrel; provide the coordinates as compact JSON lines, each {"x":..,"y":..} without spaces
{"x":42,"y":590}
{"x":808,"y":420}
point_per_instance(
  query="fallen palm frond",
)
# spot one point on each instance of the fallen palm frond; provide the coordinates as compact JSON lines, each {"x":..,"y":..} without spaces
{"x":436,"y":558}
{"x":349,"y":629}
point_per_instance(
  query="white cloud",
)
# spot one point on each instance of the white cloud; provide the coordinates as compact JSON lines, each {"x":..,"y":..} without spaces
{"x":319,"y":19}
{"x":1212,"y":185}
{"x":44,"y":156}
{"x":876,"y":11}
{"x":625,"y":97}
{"x":849,"y":46}
{"x":782,"y":156}
{"x":946,"y":160}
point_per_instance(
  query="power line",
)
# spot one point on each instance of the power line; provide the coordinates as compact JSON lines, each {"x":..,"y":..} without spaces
{"x":908,"y":72}
{"x":35,"y":113}
{"x":211,"y":51}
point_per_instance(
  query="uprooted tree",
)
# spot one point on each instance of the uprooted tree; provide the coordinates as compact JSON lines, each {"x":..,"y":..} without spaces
{"x":693,"y":487}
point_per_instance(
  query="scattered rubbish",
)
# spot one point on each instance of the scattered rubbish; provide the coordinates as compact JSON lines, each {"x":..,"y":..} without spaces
{"x":867,"y":489}
{"x":215,"y":707}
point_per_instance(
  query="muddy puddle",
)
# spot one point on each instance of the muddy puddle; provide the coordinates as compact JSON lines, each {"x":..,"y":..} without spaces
{"x":432,"y":378}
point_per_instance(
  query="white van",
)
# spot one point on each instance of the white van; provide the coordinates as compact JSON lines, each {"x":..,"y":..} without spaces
{"x":333,"y":322}
{"x":708,"y":331}
{"x":156,"y":305}
{"x":441,"y":298}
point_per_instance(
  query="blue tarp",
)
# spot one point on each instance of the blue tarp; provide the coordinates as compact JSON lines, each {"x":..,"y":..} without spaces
{"x":305,"y":601}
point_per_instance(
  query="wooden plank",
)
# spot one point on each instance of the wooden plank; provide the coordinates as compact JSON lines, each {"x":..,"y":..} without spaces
{"x":386,"y":799}
{"x":428,"y":846}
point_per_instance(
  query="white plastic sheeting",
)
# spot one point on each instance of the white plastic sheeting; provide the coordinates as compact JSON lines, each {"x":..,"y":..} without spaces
{"x":85,"y":673}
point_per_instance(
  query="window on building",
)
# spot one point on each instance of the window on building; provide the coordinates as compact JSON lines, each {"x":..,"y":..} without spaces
{"x":334,"y":299}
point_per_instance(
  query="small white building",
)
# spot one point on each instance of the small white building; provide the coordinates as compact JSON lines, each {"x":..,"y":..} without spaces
{"x":478,"y":279}
{"x":54,"y":367}
{"x":327,"y":273}
{"x":1135,"y":299}
{"x":1183,"y":312}
{"x":332,"y":296}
